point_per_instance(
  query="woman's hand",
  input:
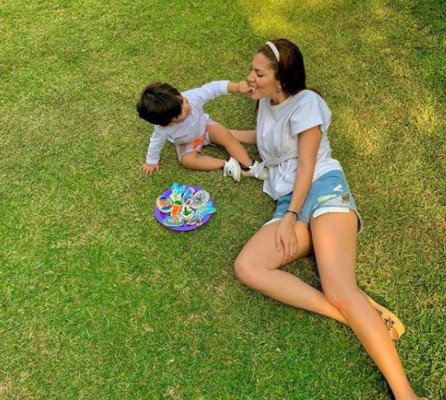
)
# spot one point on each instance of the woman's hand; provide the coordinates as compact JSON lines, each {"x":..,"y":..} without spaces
{"x":286,"y":239}
{"x":149,"y":168}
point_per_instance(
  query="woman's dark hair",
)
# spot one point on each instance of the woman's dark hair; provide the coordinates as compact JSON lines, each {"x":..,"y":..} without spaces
{"x":159,"y":104}
{"x":290,"y":69}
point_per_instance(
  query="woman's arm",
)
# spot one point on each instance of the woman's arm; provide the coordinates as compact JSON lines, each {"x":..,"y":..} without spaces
{"x":309,"y":142}
{"x":308,"y":146}
{"x":248,"y":137}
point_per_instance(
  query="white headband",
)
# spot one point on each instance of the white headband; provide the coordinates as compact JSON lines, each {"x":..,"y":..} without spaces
{"x":273,"y":48}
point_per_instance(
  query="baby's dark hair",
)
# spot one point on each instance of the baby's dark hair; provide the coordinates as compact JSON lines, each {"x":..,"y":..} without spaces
{"x":159,"y":104}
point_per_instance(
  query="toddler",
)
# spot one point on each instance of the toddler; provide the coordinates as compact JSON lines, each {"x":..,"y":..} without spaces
{"x":180,"y":118}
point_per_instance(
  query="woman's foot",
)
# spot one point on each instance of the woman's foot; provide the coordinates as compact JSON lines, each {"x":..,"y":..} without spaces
{"x":394,"y":326}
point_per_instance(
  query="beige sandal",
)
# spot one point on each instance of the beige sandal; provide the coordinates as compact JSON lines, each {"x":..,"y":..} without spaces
{"x":390,"y":319}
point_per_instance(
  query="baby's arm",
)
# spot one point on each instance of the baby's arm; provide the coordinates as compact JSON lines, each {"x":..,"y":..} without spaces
{"x":149,"y":169}
{"x":214,"y":89}
{"x":153,"y":153}
{"x":239,"y":87}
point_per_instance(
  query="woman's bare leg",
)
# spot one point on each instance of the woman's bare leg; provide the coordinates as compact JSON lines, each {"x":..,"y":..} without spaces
{"x":258,"y":264}
{"x":334,"y":240}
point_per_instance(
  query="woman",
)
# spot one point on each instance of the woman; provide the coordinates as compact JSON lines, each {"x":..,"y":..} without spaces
{"x":315,"y":210}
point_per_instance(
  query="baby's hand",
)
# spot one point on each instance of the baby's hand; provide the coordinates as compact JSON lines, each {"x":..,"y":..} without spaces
{"x":243,"y":87}
{"x":149,"y":168}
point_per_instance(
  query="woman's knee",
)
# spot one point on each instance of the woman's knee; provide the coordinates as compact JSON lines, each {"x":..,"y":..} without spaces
{"x":341,"y":298}
{"x":246,"y":271}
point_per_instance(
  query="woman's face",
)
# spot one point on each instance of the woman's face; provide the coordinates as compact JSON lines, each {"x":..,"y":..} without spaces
{"x":262,"y":78}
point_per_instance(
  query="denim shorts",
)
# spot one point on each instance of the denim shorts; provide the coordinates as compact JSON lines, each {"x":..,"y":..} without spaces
{"x":328,"y":193}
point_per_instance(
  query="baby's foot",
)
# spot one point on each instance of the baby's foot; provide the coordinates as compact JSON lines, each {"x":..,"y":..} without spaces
{"x":249,"y":171}
{"x":232,"y":169}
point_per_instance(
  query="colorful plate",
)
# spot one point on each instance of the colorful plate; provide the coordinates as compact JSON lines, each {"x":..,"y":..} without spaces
{"x":183,"y":228}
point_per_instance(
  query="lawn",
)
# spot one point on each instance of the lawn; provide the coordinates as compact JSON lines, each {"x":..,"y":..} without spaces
{"x":98,"y":301}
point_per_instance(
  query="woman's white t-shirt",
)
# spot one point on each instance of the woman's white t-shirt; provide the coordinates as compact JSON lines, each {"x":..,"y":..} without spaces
{"x":277,"y":130}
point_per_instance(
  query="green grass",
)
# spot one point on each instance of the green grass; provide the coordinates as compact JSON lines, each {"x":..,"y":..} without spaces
{"x":97,"y":301}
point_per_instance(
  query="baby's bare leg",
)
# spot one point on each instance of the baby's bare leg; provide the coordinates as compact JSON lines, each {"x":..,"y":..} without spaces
{"x":220,"y":135}
{"x":193,"y":160}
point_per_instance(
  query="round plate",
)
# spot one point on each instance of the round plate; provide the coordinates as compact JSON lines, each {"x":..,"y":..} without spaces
{"x":183,"y":228}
